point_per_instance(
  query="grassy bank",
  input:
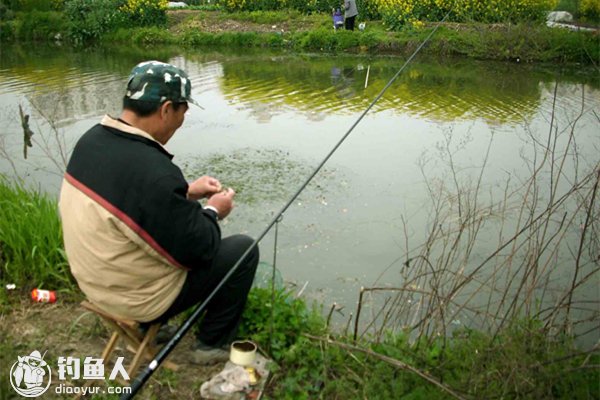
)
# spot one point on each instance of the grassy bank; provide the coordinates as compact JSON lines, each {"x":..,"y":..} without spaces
{"x":31,"y":248}
{"x":523,"y":42}
{"x":525,"y":359}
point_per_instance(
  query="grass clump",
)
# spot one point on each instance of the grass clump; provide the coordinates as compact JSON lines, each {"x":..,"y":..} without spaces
{"x":264,"y":17}
{"x":521,"y":362}
{"x":141,"y":36}
{"x":522,"y":42}
{"x":275,"y":320}
{"x":31,"y":246}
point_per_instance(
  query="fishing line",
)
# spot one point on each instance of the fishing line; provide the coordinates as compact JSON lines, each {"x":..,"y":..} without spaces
{"x":271,"y":327}
{"x":185,"y":327}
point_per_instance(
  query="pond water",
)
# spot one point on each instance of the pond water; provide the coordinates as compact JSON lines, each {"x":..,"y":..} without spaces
{"x":270,"y":118}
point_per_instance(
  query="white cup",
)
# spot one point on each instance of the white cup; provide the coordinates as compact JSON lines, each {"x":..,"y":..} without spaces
{"x":243,"y":352}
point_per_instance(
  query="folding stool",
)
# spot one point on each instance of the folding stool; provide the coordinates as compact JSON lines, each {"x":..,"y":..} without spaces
{"x":141,"y":344}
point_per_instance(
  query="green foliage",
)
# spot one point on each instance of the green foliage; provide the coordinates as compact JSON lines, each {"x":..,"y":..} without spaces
{"x":40,"y":25}
{"x":240,"y":39}
{"x":288,"y":317}
{"x":141,"y":36}
{"x":370,"y":40}
{"x":230,"y":39}
{"x":197,"y":38}
{"x":367,"y":10}
{"x":302,"y":371}
{"x":274,"y":40}
{"x":31,"y":247}
{"x":265,"y":17}
{"x":6,"y":13}
{"x":567,"y":5}
{"x":329,"y":40}
{"x":303,"y":6}
{"x":9,"y":29}
{"x":206,"y":7}
{"x":522,"y":42}
{"x":145,"y":12}
{"x":253,"y":5}
{"x":399,"y":13}
{"x":31,"y":5}
{"x":90,"y":19}
{"x":586,"y":10}
{"x":522,"y":361}
{"x":589,"y":9}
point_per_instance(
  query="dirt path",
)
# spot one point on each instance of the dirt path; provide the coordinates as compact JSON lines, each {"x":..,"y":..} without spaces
{"x":217,"y":21}
{"x":68,"y":330}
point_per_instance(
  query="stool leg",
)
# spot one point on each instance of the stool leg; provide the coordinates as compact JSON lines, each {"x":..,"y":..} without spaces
{"x":142,"y":349}
{"x":110,"y":346}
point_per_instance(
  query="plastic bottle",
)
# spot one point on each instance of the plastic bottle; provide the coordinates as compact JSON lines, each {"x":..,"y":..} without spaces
{"x":43,"y":296}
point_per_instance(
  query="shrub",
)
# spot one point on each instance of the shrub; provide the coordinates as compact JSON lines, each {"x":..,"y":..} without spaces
{"x":589,"y":9}
{"x":567,"y":5}
{"x":275,"y":40}
{"x":369,"y":39}
{"x":57,"y":5}
{"x":522,"y":362}
{"x":288,"y":317}
{"x":253,"y":5}
{"x":150,"y":35}
{"x":399,"y":13}
{"x":30,"y":5}
{"x":368,"y":10}
{"x":8,"y":30}
{"x":198,"y":38}
{"x":145,"y":12}
{"x":6,"y":13}
{"x":89,"y":19}
{"x":40,"y":25}
{"x":304,"y":6}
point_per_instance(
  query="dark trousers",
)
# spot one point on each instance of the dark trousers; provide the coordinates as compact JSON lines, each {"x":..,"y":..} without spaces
{"x":224,"y":311}
{"x":349,"y":23}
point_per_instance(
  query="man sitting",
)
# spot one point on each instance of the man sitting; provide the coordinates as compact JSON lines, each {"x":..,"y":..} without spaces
{"x":139,"y":243}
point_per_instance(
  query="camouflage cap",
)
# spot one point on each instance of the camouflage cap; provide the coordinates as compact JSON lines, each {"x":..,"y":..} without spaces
{"x":156,"y":81}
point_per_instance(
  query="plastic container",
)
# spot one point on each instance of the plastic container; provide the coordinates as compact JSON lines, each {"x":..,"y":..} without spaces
{"x":243,"y":352}
{"x":43,"y":296}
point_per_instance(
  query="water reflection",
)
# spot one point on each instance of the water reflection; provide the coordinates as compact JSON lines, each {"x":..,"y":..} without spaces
{"x":342,"y":80}
{"x":465,"y":90}
{"x":70,"y":84}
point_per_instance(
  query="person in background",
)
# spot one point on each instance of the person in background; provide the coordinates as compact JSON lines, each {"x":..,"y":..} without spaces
{"x":338,"y":19}
{"x":139,"y":243}
{"x":350,"y":13}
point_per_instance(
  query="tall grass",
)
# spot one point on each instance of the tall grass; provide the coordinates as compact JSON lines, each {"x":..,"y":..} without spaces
{"x":31,"y":247}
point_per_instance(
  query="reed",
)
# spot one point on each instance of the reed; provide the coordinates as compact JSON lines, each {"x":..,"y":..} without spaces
{"x":31,"y":247}
{"x":517,"y":266}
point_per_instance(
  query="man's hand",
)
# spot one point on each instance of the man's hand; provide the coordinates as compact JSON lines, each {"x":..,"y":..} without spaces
{"x":222,"y":201}
{"x":203,"y":187}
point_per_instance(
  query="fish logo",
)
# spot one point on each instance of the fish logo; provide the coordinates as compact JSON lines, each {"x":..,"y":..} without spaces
{"x":28,"y":374}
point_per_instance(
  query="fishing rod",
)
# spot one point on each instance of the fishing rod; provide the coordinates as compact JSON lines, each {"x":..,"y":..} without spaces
{"x":185,"y":327}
